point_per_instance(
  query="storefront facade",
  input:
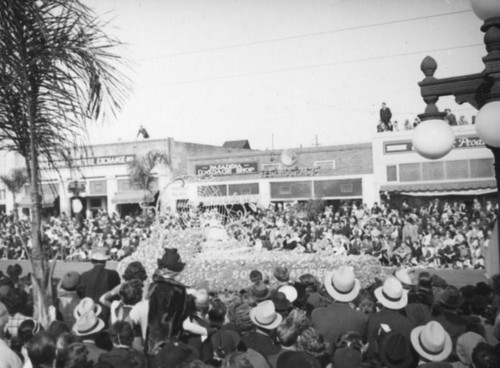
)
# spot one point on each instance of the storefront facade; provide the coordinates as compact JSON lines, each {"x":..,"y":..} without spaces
{"x":101,"y":178}
{"x":332,"y":173}
{"x":465,"y":172}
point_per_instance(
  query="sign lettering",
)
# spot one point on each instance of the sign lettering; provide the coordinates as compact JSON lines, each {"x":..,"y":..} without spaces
{"x":460,"y":142}
{"x":91,"y":161}
{"x":241,"y":168}
{"x":291,"y":173}
{"x":468,"y":142}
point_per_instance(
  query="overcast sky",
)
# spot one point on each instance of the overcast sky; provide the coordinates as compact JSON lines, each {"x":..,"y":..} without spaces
{"x":207,"y":71}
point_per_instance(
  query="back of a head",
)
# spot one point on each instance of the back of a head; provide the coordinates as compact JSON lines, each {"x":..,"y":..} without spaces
{"x":217,"y":311}
{"x":15,"y":301}
{"x":282,"y":274}
{"x":75,"y":355}
{"x":287,"y":332}
{"x":255,"y":276}
{"x":131,"y":292}
{"x":484,"y":356}
{"x":41,"y":349}
{"x":122,"y":333}
{"x":425,"y":280}
{"x":135,"y":270}
{"x":236,"y":360}
{"x":242,"y":318}
{"x":27,"y":329}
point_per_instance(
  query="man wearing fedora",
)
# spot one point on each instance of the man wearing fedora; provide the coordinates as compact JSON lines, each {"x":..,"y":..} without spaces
{"x":67,"y":297}
{"x":265,"y":319}
{"x":339,"y":317}
{"x":432,"y":344}
{"x":393,"y":299}
{"x":98,"y":280}
{"x":87,"y":326}
{"x":449,"y":301}
{"x":167,"y":302}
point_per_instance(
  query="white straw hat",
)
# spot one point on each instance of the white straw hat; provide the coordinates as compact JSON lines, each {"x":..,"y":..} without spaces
{"x":392,"y":295}
{"x":342,"y":284}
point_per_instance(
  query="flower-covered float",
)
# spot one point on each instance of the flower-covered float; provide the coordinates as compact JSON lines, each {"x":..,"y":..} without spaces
{"x":225,"y":264}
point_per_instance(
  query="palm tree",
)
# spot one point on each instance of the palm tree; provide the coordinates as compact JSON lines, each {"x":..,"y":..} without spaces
{"x":141,"y":168}
{"x":14,"y":183}
{"x":57,"y":73}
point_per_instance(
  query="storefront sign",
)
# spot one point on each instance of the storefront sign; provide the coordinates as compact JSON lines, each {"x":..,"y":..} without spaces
{"x":239,"y":168}
{"x":91,"y":161}
{"x":460,"y":142}
{"x":468,"y":142}
{"x":290,"y":173}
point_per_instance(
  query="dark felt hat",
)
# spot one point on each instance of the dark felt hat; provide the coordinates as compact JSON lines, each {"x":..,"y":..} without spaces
{"x":260,"y":291}
{"x":70,"y":281}
{"x":347,"y":358}
{"x":395,"y":351}
{"x":451,"y":297}
{"x":171,"y":260}
{"x":173,"y":354}
{"x":296,"y":359}
{"x":280,"y":301}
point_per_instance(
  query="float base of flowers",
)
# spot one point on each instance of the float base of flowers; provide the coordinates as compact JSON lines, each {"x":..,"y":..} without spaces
{"x":226,"y":265}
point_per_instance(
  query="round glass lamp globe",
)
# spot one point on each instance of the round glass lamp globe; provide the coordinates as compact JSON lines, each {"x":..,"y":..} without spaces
{"x":433,"y":139}
{"x":485,"y":9}
{"x":488,"y":123}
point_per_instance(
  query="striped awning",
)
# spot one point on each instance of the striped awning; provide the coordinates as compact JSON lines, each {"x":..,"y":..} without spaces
{"x":443,"y":188}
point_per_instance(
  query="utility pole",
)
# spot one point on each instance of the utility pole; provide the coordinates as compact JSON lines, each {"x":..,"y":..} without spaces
{"x":316,"y":142}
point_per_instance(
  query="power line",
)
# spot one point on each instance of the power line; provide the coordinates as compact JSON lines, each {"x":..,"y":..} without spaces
{"x":305,"y":35}
{"x":311,"y":66}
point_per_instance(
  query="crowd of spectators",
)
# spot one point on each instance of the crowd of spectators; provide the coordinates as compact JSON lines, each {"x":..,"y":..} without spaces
{"x":103,"y":320}
{"x":387,"y":124}
{"x":438,"y":233}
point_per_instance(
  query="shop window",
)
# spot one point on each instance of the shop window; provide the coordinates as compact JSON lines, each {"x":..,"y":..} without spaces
{"x":457,"y":169}
{"x":285,"y":189}
{"x":337,"y":188}
{"x":98,"y":187}
{"x":482,"y":168}
{"x":291,"y":189}
{"x":95,"y":202}
{"x":243,"y":189}
{"x":212,"y":190}
{"x":410,"y":172}
{"x":392,"y":173}
{"x":432,"y":171}
{"x":346,"y":188}
{"x":125,"y":185}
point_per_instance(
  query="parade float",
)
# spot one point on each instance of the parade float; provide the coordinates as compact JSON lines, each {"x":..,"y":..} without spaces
{"x":220,"y":262}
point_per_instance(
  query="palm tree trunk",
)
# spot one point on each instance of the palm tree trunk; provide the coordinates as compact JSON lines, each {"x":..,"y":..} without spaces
{"x":41,"y":275}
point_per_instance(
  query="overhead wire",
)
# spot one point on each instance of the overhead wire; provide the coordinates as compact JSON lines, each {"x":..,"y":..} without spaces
{"x":310,"y":66}
{"x":304,"y":35}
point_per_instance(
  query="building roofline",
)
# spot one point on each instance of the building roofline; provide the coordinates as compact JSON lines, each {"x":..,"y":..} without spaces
{"x":253,"y":153}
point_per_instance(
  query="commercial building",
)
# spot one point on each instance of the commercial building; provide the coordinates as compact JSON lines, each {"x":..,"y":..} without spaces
{"x":331,"y":173}
{"x":467,"y":171}
{"x":102,"y":176}
{"x":388,"y":167}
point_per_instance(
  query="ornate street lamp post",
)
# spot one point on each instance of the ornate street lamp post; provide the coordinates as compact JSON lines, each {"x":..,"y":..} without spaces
{"x":433,"y":138}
